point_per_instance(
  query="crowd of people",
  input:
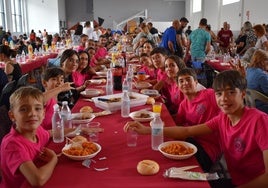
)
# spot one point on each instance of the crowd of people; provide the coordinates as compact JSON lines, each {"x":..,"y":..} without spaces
{"x":224,"y":124}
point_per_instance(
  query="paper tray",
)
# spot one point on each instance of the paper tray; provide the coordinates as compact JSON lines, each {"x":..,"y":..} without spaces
{"x":139,"y":100}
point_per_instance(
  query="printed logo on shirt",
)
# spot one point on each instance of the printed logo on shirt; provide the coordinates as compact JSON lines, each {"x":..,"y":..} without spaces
{"x":239,"y":144}
{"x":200,"y":109}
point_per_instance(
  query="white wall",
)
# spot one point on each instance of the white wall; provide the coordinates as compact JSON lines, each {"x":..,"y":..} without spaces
{"x":235,"y":14}
{"x":43,"y":15}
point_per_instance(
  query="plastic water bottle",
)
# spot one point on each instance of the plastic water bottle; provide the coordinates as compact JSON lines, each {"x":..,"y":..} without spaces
{"x":57,"y":125}
{"x":129,"y":78}
{"x":125,"y":85}
{"x":109,"y":82}
{"x":125,"y":106}
{"x":66,"y":115}
{"x":23,"y":58}
{"x":157,"y":132}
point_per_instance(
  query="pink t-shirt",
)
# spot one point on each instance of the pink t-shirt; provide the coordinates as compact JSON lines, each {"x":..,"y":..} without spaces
{"x":243,"y":144}
{"x":197,"y":111}
{"x":47,"y":123}
{"x":101,"y":53}
{"x":148,"y":71}
{"x":15,"y":150}
{"x":161,"y":75}
{"x":172,"y":95}
{"x":78,"y":78}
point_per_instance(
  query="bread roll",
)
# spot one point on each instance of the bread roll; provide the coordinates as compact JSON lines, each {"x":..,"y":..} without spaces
{"x":86,"y":109}
{"x":147,"y":167}
{"x":150,"y":100}
{"x":79,"y":138}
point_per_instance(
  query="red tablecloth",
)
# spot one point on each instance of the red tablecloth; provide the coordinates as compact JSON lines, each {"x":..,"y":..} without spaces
{"x":218,"y":66}
{"x":36,"y":63}
{"x":121,"y":159}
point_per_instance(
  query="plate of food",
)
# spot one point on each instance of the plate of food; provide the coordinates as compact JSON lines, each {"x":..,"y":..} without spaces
{"x":177,"y":150}
{"x":88,"y":93}
{"x":150,"y":92}
{"x":142,"y":116}
{"x":80,"y":149}
{"x":142,"y":85}
{"x":79,"y":118}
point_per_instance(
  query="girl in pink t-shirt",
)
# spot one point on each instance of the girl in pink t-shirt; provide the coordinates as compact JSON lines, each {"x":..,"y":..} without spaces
{"x":168,"y":86}
{"x":242,"y":131}
{"x":25,"y":144}
{"x":147,"y":66}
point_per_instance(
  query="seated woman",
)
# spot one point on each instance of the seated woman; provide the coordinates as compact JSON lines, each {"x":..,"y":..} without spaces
{"x":69,"y":63}
{"x":257,"y":76}
{"x":84,"y":71}
{"x":12,"y":68}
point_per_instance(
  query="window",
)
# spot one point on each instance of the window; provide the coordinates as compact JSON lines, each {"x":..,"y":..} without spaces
{"x":197,"y":6}
{"x":2,"y":14}
{"x":226,"y":2}
{"x":16,"y":12}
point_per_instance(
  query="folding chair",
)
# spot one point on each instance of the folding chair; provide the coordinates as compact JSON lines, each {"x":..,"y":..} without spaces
{"x":252,"y":96}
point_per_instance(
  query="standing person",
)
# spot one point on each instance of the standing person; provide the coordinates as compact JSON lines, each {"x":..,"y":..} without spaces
{"x":242,"y":132}
{"x":181,"y":40}
{"x":188,"y":31}
{"x":225,"y":38}
{"x":199,"y":42}
{"x":88,"y":30}
{"x":25,"y":144}
{"x":12,"y":68}
{"x":169,"y":38}
{"x":154,"y":32}
{"x":251,"y":37}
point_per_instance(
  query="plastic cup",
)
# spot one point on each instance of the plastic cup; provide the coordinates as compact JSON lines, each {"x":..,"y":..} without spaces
{"x":157,"y":107}
{"x":93,"y":131}
{"x":132,"y":138}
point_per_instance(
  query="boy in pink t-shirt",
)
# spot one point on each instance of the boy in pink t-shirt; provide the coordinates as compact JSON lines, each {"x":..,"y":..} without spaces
{"x":242,"y":131}
{"x":53,"y":82}
{"x":24,"y":146}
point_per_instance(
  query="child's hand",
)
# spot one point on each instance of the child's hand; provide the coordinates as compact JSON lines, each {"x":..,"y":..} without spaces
{"x":47,"y":155}
{"x":66,"y":86}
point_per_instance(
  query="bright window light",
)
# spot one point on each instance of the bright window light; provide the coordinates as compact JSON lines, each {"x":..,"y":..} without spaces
{"x":226,"y":2}
{"x":197,"y":6}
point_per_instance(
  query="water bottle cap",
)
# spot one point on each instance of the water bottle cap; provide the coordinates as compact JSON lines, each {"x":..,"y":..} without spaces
{"x":56,"y":107}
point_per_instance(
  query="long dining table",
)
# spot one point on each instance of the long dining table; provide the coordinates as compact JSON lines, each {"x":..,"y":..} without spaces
{"x":120,"y":159}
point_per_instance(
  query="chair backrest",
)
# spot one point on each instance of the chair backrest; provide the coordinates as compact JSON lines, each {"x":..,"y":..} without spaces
{"x":23,"y":81}
{"x":252,"y":96}
{"x":9,"y":88}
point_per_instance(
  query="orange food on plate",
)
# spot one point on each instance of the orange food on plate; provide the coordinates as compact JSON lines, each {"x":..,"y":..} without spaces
{"x":87,"y":148}
{"x":177,"y":149}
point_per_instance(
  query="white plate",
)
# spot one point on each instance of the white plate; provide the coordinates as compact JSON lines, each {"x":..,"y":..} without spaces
{"x":150,"y":92}
{"x":96,"y":81}
{"x":101,"y":73}
{"x":78,"y":118}
{"x":90,"y":93}
{"x":139,"y":99}
{"x":143,"y":85}
{"x":80,"y":158}
{"x":136,"y":116}
{"x":177,"y":157}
